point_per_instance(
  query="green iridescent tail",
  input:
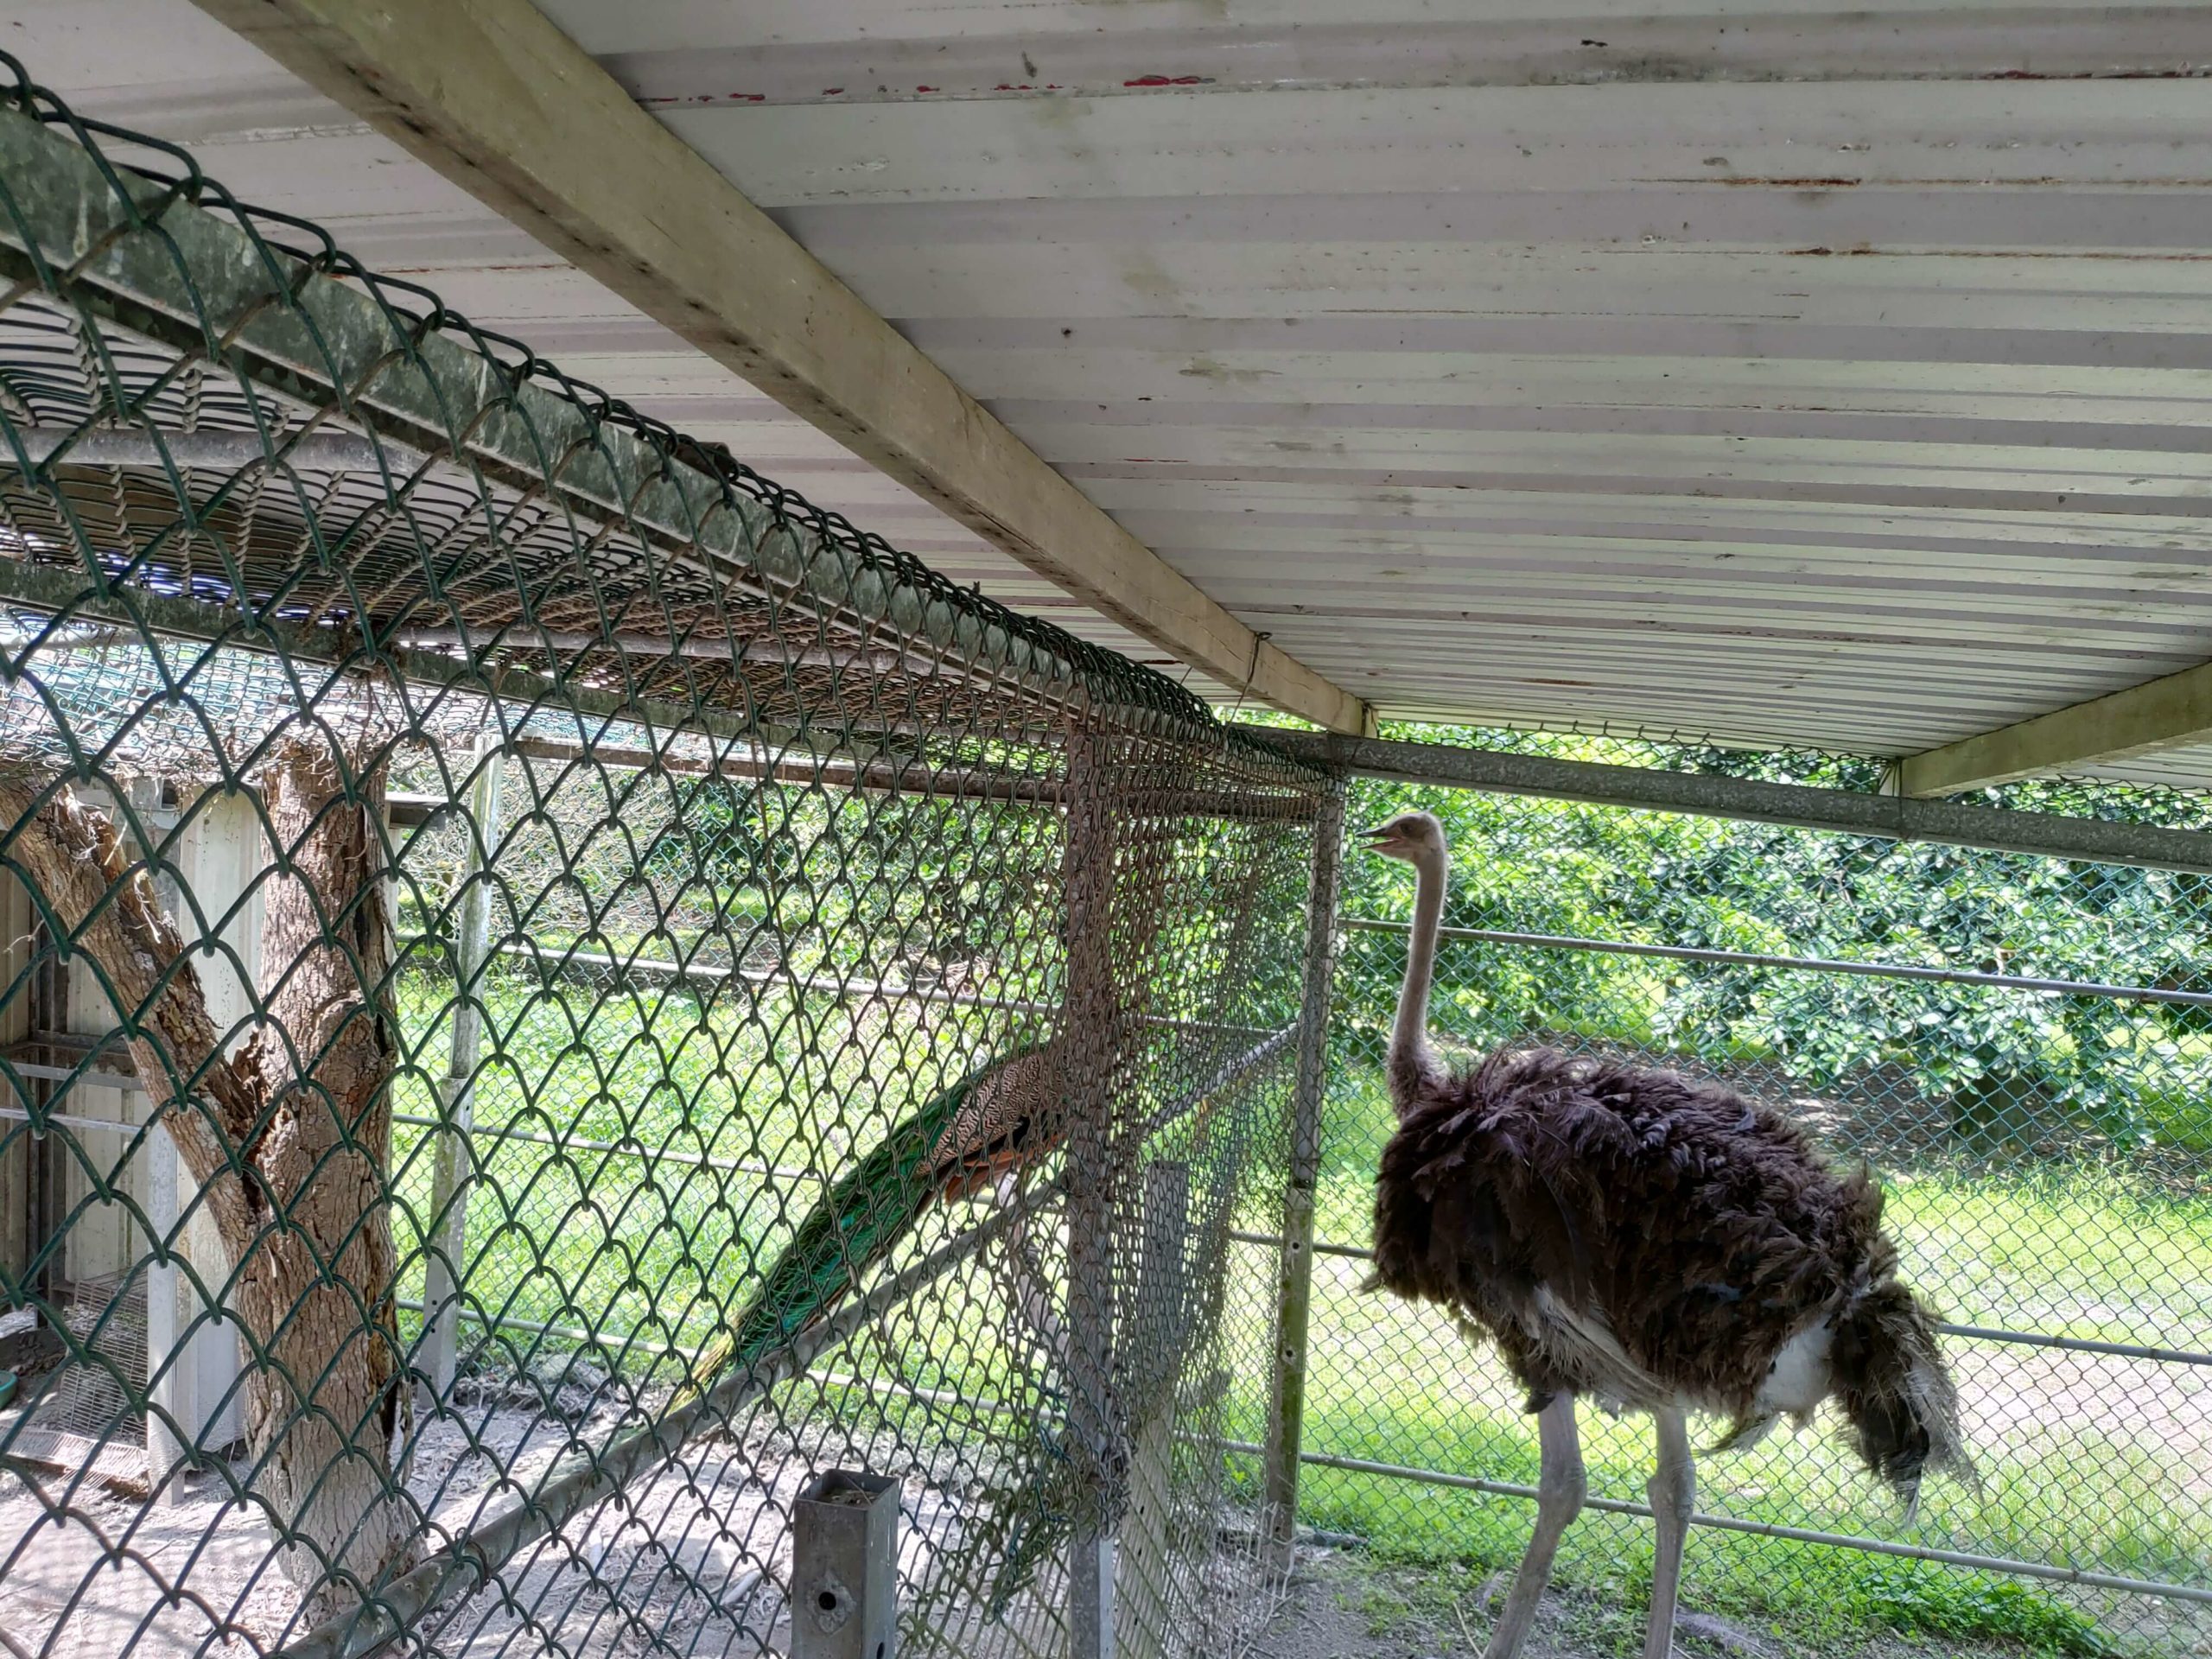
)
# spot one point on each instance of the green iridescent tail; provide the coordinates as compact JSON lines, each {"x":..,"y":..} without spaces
{"x":854,"y":1223}
{"x":1042,"y":1521}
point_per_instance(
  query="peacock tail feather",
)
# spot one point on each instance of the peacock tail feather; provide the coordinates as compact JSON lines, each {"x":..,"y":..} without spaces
{"x":854,"y":1222}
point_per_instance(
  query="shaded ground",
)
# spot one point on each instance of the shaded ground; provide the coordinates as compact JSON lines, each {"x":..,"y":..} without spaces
{"x":1344,"y":1605}
{"x":697,"y":1554}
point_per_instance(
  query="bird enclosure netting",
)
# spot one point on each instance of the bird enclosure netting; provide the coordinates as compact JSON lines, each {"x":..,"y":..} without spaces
{"x":2018,"y":1046}
{"x":551,"y":993}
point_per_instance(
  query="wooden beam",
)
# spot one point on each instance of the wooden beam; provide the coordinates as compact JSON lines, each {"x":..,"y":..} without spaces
{"x":2157,"y":715}
{"x":496,"y":98}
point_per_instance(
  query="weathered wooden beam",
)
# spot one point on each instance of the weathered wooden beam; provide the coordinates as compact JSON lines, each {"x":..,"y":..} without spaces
{"x":2157,"y":715}
{"x":494,"y":97}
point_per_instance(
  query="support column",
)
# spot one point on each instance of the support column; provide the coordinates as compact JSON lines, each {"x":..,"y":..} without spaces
{"x":1091,"y":1034}
{"x":172,"y":1399}
{"x":1151,"y":1348}
{"x":169,"y":1393}
{"x":1294,"y":1282}
{"x":455,"y":1168}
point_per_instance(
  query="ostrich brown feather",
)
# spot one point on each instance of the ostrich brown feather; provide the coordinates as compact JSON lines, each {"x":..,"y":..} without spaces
{"x":1648,"y":1240}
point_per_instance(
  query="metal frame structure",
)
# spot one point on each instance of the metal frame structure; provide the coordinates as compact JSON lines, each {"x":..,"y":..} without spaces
{"x":1892,"y":816}
{"x":1886,"y":816}
{"x":645,"y":621}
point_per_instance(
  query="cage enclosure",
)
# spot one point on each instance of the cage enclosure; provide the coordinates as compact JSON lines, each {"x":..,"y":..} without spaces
{"x":554,"y":992}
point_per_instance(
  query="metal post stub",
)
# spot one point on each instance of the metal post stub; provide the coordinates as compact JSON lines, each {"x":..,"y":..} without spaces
{"x":844,"y":1568}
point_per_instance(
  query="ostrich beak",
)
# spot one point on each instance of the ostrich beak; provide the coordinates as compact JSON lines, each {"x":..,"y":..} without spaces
{"x":1376,"y":839}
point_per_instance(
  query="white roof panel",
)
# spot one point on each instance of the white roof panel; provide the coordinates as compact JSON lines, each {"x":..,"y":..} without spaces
{"x":1759,"y":370}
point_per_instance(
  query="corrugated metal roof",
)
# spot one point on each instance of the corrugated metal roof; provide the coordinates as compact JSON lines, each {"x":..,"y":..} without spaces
{"x":1764,"y":372}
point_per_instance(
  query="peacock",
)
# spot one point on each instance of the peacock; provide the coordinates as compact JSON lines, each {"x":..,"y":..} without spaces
{"x":1003,"y":1114}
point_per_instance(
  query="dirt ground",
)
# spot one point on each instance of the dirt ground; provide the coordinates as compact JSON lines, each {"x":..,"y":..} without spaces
{"x":1342,"y":1605}
{"x":190,"y":1577}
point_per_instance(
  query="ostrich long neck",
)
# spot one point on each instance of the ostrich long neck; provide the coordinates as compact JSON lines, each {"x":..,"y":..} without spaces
{"x":1410,"y":1062}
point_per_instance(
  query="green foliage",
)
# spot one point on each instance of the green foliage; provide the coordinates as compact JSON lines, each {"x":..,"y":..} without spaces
{"x":1921,"y":1600}
{"x":2013,"y":1065}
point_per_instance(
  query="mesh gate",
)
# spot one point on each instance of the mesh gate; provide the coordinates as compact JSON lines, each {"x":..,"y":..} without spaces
{"x":2016,"y":1044}
{"x":552,"y":991}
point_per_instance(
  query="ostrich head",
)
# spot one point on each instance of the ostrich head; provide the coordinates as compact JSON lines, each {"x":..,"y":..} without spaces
{"x":1415,"y":837}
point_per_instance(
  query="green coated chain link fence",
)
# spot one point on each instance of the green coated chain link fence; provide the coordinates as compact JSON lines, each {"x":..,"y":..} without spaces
{"x":2019,"y":1048}
{"x":550,"y":992}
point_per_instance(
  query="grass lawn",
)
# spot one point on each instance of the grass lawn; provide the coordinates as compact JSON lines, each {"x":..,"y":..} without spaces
{"x":2096,"y":1462}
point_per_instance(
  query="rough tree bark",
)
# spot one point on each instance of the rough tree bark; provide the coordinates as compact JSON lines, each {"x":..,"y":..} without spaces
{"x":289,"y":1139}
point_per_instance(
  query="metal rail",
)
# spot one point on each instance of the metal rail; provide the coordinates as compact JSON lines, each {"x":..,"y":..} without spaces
{"x":1973,"y":1332}
{"x":1806,"y":964}
{"x":637,"y":1149}
{"x":1841,"y":811}
{"x":559,"y":961}
{"x":1767,"y":1530}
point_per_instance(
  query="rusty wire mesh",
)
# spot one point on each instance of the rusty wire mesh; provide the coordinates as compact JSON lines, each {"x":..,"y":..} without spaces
{"x":552,"y":992}
{"x":2019,"y":1048}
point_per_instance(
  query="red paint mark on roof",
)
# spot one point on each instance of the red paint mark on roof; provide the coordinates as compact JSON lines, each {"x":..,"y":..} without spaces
{"x":925,"y":89}
{"x":1169,"y":80}
{"x":833,"y":92}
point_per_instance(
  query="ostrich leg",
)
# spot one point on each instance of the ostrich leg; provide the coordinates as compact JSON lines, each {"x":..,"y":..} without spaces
{"x":1559,"y":1500}
{"x":1673,"y":1491}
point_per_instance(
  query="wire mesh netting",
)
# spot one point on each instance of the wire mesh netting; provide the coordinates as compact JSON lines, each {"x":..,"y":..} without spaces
{"x":554,"y":993}
{"x":2019,"y":1048}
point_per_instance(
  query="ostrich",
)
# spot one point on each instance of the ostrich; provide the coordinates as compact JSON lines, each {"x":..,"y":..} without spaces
{"x":1659,"y":1244}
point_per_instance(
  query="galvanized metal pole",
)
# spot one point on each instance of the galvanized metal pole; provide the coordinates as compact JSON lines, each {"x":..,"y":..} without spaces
{"x":169,"y":1383}
{"x":455,"y":1164}
{"x":1295,"y":1285}
{"x":1850,"y":813}
{"x":1092,"y":1035}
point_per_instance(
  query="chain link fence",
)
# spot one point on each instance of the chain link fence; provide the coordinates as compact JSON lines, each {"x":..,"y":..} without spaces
{"x":2019,"y":1047}
{"x":550,"y":993}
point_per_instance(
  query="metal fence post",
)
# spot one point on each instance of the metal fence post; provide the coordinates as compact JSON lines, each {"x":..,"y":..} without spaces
{"x":1091,"y":1032}
{"x":1152,"y":1336}
{"x":1295,"y":1285}
{"x":168,"y":1384}
{"x":455,"y":1163}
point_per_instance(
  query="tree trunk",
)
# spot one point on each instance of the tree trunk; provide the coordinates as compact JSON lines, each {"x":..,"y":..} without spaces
{"x":318,"y":1279}
{"x":289,"y":1139}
